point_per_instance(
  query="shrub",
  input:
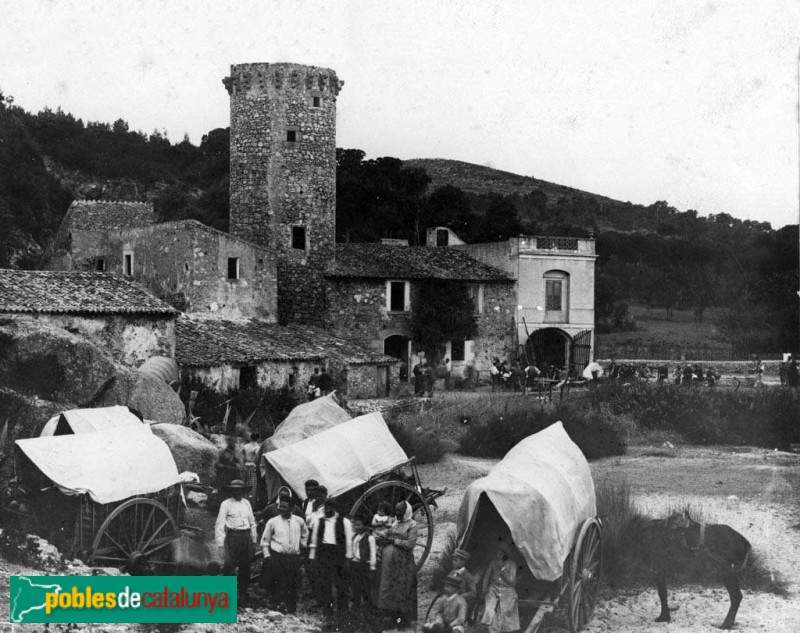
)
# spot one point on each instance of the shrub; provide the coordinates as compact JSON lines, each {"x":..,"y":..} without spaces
{"x":619,"y":515}
{"x":506,"y":422}
{"x":424,"y":444}
{"x":760,"y":417}
{"x":444,"y":562}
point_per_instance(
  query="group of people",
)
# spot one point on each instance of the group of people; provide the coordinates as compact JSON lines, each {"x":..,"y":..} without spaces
{"x":426,"y":374}
{"x":319,"y":384}
{"x":789,"y":373}
{"x":494,"y":603}
{"x":346,"y":561}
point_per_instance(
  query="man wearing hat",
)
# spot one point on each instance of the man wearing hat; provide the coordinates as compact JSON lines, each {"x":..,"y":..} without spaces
{"x":272,"y":510}
{"x":235,"y":533}
{"x":311,"y":496}
{"x":449,"y":615}
{"x":284,"y":538}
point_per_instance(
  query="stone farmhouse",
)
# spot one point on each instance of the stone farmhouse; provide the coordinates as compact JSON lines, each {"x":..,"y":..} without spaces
{"x":275,"y":296}
{"x":117,"y":315}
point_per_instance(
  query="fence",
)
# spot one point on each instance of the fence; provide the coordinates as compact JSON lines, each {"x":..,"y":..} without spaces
{"x":676,"y":352}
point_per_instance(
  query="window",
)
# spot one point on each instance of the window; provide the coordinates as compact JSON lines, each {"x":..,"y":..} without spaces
{"x":457,"y":350}
{"x":397,"y":296}
{"x":556,"y":296}
{"x":553,"y":295}
{"x":100,"y":264}
{"x":475,"y":292}
{"x":127,"y":264}
{"x":299,"y":237}
{"x":316,"y":102}
{"x":442,"y":237}
{"x":233,"y":268}
{"x":292,"y":135}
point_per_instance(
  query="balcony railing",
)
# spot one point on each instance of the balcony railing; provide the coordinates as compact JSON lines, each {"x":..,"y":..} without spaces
{"x":562,"y":245}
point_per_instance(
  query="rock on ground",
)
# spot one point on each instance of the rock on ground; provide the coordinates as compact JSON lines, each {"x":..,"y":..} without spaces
{"x":191,"y":451}
{"x":152,"y":397}
{"x":51,"y":363}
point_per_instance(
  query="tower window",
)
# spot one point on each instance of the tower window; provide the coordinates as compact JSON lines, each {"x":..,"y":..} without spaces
{"x":127,"y":264}
{"x":292,"y":135}
{"x":316,"y":102}
{"x":233,"y":268}
{"x":100,"y":264}
{"x":299,"y":237}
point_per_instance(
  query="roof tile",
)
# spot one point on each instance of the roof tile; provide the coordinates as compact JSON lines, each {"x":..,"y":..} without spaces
{"x":48,"y":292}
{"x":206,"y":342}
{"x":382,"y":261}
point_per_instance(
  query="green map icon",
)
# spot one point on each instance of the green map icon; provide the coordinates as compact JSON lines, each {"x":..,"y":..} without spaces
{"x":27,"y":596}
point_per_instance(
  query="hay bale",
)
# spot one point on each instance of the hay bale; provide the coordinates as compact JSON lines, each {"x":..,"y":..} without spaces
{"x":191,"y":450}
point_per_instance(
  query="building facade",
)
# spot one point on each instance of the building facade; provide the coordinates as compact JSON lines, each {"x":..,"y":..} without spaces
{"x":555,"y":276}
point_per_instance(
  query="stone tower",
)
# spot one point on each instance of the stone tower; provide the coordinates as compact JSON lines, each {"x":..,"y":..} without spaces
{"x":283,"y":160}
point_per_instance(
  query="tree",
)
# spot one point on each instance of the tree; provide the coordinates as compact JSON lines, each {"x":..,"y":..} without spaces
{"x":441,"y":311}
{"x":501,"y":221}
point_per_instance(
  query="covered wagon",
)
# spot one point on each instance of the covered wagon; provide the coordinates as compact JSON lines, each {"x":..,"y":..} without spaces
{"x":111,"y":497}
{"x":541,"y":499}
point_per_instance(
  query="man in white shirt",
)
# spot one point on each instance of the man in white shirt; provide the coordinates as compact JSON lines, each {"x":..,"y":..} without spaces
{"x":285,"y":537}
{"x":331,"y":547}
{"x":235,"y":534}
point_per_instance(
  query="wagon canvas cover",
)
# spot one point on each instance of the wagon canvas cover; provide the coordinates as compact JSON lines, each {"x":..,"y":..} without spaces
{"x":543,"y":491}
{"x":90,"y":420}
{"x":341,"y":458}
{"x":108,"y":465}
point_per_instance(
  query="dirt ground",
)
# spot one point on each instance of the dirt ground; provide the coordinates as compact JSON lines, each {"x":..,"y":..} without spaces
{"x":756,"y":491}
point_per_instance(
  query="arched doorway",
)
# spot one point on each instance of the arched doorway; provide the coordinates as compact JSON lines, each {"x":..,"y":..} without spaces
{"x":396,"y":346}
{"x":549,"y":347}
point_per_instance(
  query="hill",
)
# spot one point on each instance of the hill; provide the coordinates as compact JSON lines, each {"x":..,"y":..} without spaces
{"x":483,"y":180}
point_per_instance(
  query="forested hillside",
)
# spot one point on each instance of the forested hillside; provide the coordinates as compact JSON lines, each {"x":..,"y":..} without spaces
{"x":654,"y":255}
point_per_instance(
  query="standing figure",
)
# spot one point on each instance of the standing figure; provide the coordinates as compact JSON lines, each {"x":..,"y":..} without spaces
{"x":235,"y":534}
{"x":419,"y":380}
{"x":792,"y":374}
{"x":365,"y":562}
{"x":249,"y":458}
{"x":782,"y":373}
{"x":450,"y":614}
{"x":229,"y":464}
{"x":759,"y":372}
{"x":282,"y":543}
{"x":330,"y":545}
{"x":494,"y":370}
{"x":501,"y":608}
{"x":448,"y":373}
{"x":313,"y":385}
{"x":397,"y":587}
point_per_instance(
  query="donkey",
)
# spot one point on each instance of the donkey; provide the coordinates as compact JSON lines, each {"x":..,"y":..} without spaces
{"x":678,"y":542}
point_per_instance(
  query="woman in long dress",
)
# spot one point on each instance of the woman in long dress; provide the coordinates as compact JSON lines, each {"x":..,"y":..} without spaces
{"x":501,"y":609}
{"x":397,"y":588}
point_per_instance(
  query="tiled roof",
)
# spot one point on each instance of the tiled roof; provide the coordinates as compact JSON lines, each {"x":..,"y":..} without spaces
{"x":381,"y":261}
{"x":102,"y":215}
{"x":206,"y":342}
{"x":48,"y":292}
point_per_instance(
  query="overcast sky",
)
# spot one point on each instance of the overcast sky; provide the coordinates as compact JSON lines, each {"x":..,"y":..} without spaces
{"x":686,"y":101}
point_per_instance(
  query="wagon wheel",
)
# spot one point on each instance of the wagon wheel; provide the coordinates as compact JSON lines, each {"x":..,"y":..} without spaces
{"x":393,"y":492}
{"x":136,"y":537}
{"x":584,"y":575}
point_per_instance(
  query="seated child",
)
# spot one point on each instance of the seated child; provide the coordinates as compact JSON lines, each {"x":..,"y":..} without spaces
{"x":450,"y":612}
{"x":383,"y":520}
{"x":468,"y":589}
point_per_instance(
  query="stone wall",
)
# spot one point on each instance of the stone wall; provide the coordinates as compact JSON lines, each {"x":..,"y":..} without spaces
{"x":186,"y":263}
{"x":356,"y":310}
{"x":362,"y":381}
{"x":276,"y":184}
{"x":127,"y":339}
{"x":269,"y":374}
{"x":301,"y":294}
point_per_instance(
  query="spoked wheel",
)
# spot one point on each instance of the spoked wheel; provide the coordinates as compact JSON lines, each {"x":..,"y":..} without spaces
{"x":137,"y":537}
{"x":584,"y":577}
{"x":392,"y":492}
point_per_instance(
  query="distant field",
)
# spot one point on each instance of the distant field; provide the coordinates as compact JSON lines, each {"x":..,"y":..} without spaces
{"x":658,"y":331}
